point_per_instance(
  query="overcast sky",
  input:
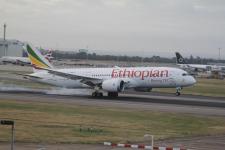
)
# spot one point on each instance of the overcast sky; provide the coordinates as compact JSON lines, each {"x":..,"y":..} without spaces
{"x":119,"y":27}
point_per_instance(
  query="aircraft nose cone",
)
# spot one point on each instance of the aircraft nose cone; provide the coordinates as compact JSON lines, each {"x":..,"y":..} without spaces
{"x":193,"y":80}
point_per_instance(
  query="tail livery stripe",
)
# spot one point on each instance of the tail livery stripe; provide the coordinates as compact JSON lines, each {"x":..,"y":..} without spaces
{"x":37,"y":63}
{"x":35,"y":59}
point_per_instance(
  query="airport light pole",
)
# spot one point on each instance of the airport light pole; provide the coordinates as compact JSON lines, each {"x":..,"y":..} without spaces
{"x":219,"y":55}
{"x":4,"y":31}
{"x":9,"y":122}
{"x":87,"y":54}
{"x":4,"y":39}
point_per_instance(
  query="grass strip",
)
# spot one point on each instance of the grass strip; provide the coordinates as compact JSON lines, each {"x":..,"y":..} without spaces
{"x":64,"y":123}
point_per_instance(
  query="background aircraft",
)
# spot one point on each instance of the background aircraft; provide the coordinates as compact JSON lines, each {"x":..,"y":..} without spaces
{"x":194,"y":67}
{"x":210,"y":70}
{"x":15,"y":60}
{"x":23,"y":60}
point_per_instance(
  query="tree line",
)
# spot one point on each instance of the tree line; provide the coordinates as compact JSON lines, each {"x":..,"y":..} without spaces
{"x":157,"y":59}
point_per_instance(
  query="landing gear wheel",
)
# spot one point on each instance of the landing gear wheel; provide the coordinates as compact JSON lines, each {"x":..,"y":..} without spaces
{"x":94,"y":94}
{"x":113,"y":94}
{"x":177,"y":93}
{"x":97,"y":94}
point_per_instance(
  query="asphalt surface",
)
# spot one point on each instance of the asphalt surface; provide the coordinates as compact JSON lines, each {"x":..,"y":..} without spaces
{"x":198,"y":105}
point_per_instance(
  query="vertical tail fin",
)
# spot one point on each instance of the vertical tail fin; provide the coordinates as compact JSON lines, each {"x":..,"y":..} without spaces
{"x":37,"y":59}
{"x":179,"y":58}
{"x":48,"y":56}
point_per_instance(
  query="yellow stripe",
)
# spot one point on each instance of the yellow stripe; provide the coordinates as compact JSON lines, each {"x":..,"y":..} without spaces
{"x":37,"y":62}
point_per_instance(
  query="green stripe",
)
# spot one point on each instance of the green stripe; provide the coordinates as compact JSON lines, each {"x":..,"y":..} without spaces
{"x":31,"y":52}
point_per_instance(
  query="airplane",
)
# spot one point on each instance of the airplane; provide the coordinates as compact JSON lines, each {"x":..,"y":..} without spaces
{"x":197,"y":67}
{"x":22,"y":60}
{"x":194,"y":67}
{"x":111,"y":80}
{"x":215,"y":71}
{"x":15,"y":60}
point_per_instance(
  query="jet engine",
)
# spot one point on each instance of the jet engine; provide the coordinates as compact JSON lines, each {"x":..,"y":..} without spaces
{"x":113,"y":85}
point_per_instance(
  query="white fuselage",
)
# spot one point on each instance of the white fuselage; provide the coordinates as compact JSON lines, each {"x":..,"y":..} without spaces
{"x":202,"y":67}
{"x":15,"y":60}
{"x":135,"y":77}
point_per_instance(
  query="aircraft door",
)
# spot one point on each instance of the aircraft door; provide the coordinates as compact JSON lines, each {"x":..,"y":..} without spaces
{"x":172,"y":79}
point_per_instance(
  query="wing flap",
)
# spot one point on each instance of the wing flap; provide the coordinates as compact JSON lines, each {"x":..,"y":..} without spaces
{"x":28,"y":76}
{"x":86,"y":80}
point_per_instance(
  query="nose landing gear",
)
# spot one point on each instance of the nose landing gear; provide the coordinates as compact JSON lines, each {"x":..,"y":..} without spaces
{"x":178,"y":91}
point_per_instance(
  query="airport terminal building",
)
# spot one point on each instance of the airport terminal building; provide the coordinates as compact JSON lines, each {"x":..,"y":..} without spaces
{"x":11,"y":47}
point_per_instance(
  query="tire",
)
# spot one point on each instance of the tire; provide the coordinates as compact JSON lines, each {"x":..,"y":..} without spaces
{"x":97,"y":94}
{"x":100,"y":94}
{"x":177,"y":93}
{"x":113,"y":94}
{"x":94,"y":94}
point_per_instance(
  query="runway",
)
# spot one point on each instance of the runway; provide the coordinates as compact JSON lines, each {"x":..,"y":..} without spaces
{"x":188,"y":104}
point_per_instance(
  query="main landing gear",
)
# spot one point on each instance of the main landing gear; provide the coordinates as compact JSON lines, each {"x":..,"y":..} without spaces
{"x":178,"y":91}
{"x":100,"y":94}
{"x":97,"y":94}
{"x":112,"y":94}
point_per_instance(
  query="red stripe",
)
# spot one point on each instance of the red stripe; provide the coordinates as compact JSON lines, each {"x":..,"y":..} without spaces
{"x":141,"y":146}
{"x":127,"y":145}
{"x":169,"y":148}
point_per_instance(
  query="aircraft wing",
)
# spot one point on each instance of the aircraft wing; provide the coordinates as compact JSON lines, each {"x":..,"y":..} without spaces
{"x":28,"y":76}
{"x":23,"y":62}
{"x":86,"y":80}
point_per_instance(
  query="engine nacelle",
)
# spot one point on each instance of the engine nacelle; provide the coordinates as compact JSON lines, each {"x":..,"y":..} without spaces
{"x":143,"y":89}
{"x":113,"y":85}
